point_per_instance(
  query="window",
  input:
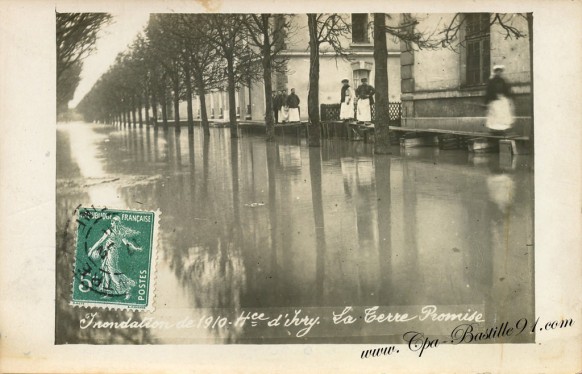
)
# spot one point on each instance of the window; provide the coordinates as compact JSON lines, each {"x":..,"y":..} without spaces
{"x":360,"y":28}
{"x":359,"y":74}
{"x":477,"y":48}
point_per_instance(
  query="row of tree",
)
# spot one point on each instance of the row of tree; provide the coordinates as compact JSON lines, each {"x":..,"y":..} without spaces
{"x":76,"y":34}
{"x":182,"y":55}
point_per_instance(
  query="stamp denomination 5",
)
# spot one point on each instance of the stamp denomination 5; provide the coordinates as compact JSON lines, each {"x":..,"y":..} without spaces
{"x":115,"y":259}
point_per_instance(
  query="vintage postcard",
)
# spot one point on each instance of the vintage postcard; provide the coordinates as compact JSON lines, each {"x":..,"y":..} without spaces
{"x":373,"y":190}
{"x":115,"y":259}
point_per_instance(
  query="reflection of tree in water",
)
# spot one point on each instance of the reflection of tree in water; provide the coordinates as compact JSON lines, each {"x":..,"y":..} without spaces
{"x":214,"y":274}
{"x":360,"y":188}
{"x":67,"y":319}
{"x":199,"y":234}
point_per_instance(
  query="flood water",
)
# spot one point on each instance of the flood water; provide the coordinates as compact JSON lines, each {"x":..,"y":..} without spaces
{"x":277,"y":228}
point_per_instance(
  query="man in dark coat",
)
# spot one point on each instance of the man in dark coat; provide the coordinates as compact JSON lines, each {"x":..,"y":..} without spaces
{"x":293,"y":104}
{"x":365,"y":94}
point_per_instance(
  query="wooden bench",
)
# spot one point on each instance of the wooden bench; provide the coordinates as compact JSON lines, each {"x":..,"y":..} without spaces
{"x":476,"y":141}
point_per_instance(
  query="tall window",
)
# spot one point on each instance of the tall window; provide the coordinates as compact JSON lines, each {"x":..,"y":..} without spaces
{"x":478,"y":48}
{"x":360,"y":28}
{"x":359,"y":74}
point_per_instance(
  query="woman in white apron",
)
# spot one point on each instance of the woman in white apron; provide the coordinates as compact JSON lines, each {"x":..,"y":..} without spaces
{"x":284,"y":110}
{"x":500,"y":116}
{"x":347,"y":101}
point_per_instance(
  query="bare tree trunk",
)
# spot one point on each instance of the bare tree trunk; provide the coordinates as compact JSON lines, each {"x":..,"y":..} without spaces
{"x":189,"y":102}
{"x":133,"y":119}
{"x":267,"y":68}
{"x":155,"y":108}
{"x":139,"y":114}
{"x":147,"y":107}
{"x":203,"y":112}
{"x":313,"y":96}
{"x":164,"y":109}
{"x":124,"y":120}
{"x":382,"y":120}
{"x":176,"y":84}
{"x":231,"y":97}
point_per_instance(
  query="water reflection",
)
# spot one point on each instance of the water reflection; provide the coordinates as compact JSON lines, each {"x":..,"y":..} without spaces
{"x":248,"y":224}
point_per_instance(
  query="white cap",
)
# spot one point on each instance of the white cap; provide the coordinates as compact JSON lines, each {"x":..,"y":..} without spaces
{"x":498,"y":67}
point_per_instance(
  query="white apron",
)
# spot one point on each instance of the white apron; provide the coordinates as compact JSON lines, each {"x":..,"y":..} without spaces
{"x":364,"y":112}
{"x":283,"y":114}
{"x":293,"y":114}
{"x":500,"y":114}
{"x":346,"y":111}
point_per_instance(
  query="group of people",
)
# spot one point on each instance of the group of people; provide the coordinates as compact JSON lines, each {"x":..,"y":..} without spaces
{"x":500,"y":112}
{"x":497,"y":100}
{"x":286,"y":107}
{"x":363,"y":97}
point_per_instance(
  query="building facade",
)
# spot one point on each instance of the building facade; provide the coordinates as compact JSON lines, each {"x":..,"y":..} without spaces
{"x":444,"y":88}
{"x":250,"y":98}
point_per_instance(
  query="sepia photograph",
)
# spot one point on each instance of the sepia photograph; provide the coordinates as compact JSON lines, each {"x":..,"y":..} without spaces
{"x":321,"y":178}
{"x":215,"y":186}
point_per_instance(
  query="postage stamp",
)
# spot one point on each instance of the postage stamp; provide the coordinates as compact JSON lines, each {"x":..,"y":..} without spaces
{"x":115,"y":258}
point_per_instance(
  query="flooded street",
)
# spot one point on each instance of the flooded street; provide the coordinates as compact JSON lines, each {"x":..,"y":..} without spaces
{"x":274,"y":228}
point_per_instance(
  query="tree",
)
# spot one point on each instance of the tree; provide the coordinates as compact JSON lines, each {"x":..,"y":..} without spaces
{"x":268,"y":39}
{"x":226,"y":34}
{"x":66,"y":86}
{"x":323,"y":28}
{"x":203,"y":61}
{"x":406,"y":33}
{"x":76,"y":34}
{"x":166,"y":49}
{"x":382,"y":115}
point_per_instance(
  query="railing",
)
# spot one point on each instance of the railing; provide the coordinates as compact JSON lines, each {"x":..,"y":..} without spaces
{"x":331,"y":112}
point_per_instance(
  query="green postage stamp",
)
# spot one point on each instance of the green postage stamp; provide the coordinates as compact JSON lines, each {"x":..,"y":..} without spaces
{"x":115,"y":258}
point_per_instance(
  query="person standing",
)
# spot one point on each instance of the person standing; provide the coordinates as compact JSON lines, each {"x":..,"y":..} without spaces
{"x":365,"y":94}
{"x":499,"y":106}
{"x":293,"y":105}
{"x":276,"y":106}
{"x":347,"y":100}
{"x":283,"y":110}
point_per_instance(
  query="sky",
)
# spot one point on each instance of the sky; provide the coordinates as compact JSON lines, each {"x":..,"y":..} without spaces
{"x":113,"y":38}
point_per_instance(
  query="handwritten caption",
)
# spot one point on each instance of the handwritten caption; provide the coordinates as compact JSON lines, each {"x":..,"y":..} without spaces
{"x":468,"y":333}
{"x":300,"y":321}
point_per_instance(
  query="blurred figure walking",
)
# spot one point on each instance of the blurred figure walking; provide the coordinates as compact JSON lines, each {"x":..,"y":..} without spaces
{"x":500,"y":116}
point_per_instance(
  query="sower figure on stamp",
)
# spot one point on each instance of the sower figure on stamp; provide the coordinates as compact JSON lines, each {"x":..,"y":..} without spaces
{"x":293,"y":105}
{"x":115,"y":282}
{"x":347,"y":101}
{"x":499,"y":106}
{"x":365,"y":94}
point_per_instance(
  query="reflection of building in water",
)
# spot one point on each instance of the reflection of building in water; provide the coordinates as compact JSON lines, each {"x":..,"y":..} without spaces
{"x":362,"y":271}
{"x":289,"y":157}
{"x":348,"y":230}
